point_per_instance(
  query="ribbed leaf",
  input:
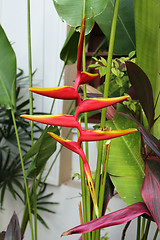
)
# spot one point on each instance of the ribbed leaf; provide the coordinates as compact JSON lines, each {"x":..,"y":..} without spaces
{"x":125,"y":164}
{"x":111,"y":219}
{"x":7,"y":72}
{"x":151,"y":188}
{"x":125,"y":34}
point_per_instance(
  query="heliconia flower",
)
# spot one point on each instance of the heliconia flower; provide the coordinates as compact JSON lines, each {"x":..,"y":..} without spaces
{"x":56,"y":120}
{"x":115,"y":218}
{"x":76,"y":147}
{"x":65,"y":93}
{"x":91,"y":104}
{"x":99,"y":134}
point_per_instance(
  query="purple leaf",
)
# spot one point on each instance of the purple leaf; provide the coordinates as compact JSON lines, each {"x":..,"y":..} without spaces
{"x":13,"y":230}
{"x":151,"y":141}
{"x":118,"y":217}
{"x":143,"y":89}
{"x":151,"y":188}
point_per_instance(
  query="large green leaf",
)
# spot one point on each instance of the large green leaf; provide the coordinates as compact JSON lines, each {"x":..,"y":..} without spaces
{"x":125,"y":165}
{"x":69,"y":51}
{"x":125,"y":33}
{"x":43,"y":149}
{"x":147,"y":22}
{"x":7,"y":72}
{"x":71,"y":11}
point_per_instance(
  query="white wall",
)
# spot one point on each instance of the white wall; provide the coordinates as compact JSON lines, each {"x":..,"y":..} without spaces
{"x":48,"y":34}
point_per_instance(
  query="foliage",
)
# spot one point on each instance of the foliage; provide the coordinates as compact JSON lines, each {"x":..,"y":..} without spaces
{"x":131,"y":163}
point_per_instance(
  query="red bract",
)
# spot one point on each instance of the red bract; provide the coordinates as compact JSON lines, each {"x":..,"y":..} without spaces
{"x":75,"y":147}
{"x":57,"y":120}
{"x":99,"y":134}
{"x":118,"y":217}
{"x":65,"y":93}
{"x":92,"y":104}
{"x":82,"y":77}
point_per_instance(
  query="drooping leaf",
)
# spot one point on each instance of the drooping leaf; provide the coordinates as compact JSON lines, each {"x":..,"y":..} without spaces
{"x":125,"y":165}
{"x":147,"y":23}
{"x":7,"y":72}
{"x":43,"y":148}
{"x":111,"y":219}
{"x":13,"y":230}
{"x":69,"y":51}
{"x":125,"y":33}
{"x":151,"y":187}
{"x":143,"y":89}
{"x":71,"y":11}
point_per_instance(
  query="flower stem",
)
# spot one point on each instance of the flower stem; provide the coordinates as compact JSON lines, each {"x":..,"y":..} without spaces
{"x":138,"y":227}
{"x":147,"y":229}
{"x":31,"y":111}
{"x":106,"y":90}
{"x":24,"y":174}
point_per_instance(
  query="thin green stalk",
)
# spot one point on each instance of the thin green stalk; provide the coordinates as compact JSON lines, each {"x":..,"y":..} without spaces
{"x":138,"y":227}
{"x":24,"y":174}
{"x":31,"y":110}
{"x":147,"y":229}
{"x":103,"y":182}
{"x":143,"y":227}
{"x":106,"y":90}
{"x":156,"y":234}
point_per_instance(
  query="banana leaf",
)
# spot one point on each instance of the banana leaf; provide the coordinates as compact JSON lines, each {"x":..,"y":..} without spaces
{"x":125,"y":165}
{"x":147,"y":22}
{"x":125,"y":33}
{"x":71,"y":11}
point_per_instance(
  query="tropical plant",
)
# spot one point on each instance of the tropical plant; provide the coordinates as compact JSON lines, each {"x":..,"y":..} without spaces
{"x":135,"y":173}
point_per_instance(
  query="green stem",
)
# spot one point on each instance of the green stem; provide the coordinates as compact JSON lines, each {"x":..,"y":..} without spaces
{"x":24,"y":174}
{"x":138,"y":227}
{"x":143,"y":227}
{"x":103,"y":182}
{"x":147,"y":229}
{"x":156,"y":234}
{"x":31,"y":110}
{"x":106,"y":90}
